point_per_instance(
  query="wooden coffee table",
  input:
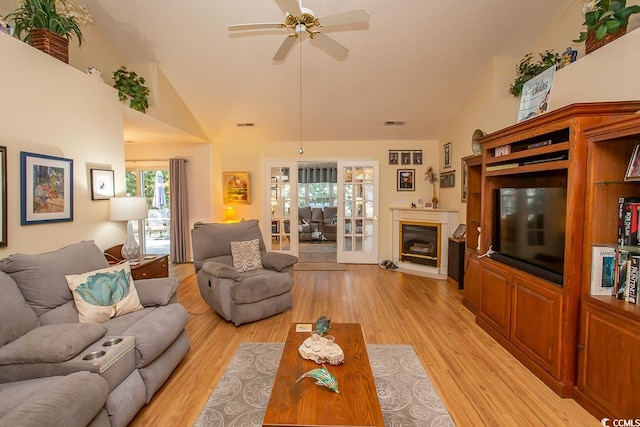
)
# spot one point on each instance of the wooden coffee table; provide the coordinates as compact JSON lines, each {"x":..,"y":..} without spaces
{"x":306,"y":404}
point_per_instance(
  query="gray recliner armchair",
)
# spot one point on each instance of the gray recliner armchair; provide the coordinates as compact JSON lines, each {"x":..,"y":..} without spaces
{"x":240,"y":296}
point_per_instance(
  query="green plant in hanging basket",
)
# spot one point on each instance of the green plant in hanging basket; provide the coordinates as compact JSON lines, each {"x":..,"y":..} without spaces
{"x":131,"y":87}
{"x":526,"y":70}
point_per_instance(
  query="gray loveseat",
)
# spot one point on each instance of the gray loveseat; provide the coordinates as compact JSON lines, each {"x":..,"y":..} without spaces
{"x":317,"y":223}
{"x":114,"y":367}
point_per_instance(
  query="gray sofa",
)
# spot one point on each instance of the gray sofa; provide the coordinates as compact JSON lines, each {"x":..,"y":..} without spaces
{"x":115,"y":366}
{"x":240,"y":297}
{"x":317,"y":223}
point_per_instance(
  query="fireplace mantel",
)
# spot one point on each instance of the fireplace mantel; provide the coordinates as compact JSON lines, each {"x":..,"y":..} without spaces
{"x":448,"y":221}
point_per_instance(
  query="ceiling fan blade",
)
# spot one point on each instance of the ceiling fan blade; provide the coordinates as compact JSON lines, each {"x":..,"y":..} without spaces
{"x":352,"y":17}
{"x":260,"y":26}
{"x":290,"y":6}
{"x":330,"y":46}
{"x":285,"y":47}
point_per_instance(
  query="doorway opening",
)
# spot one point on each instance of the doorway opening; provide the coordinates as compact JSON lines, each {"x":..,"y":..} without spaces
{"x":317,"y":211}
{"x":153,"y":185}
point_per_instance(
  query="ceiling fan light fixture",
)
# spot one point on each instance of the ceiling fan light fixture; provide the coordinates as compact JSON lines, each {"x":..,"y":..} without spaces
{"x":301,"y":29}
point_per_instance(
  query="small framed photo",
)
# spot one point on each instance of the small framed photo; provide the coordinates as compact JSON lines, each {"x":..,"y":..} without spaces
{"x":633,"y":170}
{"x":102,"y":186}
{"x":237,"y":187}
{"x":46,"y":188}
{"x":405,"y":158}
{"x":460,"y":232}
{"x":406,"y":179}
{"x":417,"y":157}
{"x":447,"y":154}
{"x":393,"y":158}
{"x":448,"y":179}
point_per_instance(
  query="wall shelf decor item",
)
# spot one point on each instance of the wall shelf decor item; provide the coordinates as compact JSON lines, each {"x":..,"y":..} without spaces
{"x":46,"y":188}
{"x":633,"y":170}
{"x":237,"y":187}
{"x":406,"y":180}
{"x":3,"y":196}
{"x":448,"y":179}
{"x":447,"y":154}
{"x":102,"y":186}
{"x":535,"y":95}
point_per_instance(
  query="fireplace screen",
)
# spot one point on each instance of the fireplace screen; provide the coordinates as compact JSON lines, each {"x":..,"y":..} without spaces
{"x":419,"y":244}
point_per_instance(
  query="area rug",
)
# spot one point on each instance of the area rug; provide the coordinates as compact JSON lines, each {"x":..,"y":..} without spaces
{"x":407,"y":396}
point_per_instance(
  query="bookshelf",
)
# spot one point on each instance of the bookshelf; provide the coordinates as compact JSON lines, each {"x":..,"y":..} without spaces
{"x":534,"y":319}
{"x":471,"y":297}
{"x":609,"y":340}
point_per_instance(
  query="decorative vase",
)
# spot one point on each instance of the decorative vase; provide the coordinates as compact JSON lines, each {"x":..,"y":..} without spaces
{"x":50,"y":43}
{"x":592,"y":43}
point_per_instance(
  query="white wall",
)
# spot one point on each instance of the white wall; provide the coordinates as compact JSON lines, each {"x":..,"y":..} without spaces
{"x":53,"y":109}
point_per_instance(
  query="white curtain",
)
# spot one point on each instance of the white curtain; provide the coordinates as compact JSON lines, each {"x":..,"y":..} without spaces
{"x":179,"y":210}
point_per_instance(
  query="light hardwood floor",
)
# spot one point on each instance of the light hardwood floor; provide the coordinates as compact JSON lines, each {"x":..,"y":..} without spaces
{"x":480,"y":383}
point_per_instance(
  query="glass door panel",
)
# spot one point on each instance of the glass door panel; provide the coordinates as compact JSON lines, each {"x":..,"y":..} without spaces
{"x":358,"y":212}
{"x":282,"y":231}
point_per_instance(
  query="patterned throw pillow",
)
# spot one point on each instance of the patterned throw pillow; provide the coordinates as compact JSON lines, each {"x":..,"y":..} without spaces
{"x":246,"y":255}
{"x":102,"y":294}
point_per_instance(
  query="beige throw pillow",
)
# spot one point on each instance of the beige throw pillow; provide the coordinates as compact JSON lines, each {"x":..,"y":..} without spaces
{"x":102,"y":294}
{"x":246,"y":255}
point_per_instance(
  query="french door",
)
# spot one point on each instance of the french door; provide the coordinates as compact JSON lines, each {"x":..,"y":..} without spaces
{"x":357,"y":234}
{"x":281,"y":213}
{"x":358,"y":212}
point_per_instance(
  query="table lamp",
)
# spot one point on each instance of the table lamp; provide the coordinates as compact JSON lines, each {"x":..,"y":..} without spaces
{"x":230,"y":214}
{"x":127,"y":209}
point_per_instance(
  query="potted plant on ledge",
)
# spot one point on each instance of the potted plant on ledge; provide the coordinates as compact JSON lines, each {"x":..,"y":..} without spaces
{"x":606,"y":20}
{"x":48,"y":25}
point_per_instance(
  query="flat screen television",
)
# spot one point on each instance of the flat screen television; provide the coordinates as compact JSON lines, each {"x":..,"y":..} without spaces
{"x":529,"y":230}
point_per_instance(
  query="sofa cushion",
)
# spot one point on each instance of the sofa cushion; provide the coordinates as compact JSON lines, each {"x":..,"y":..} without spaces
{"x":41,"y":277}
{"x":304,"y":213}
{"x":261,"y":286}
{"x":246,"y":255}
{"x":16,"y":317}
{"x":154,"y":328}
{"x":102,"y":294}
{"x":51,"y":343}
{"x":330,"y":215}
{"x":72,"y":400}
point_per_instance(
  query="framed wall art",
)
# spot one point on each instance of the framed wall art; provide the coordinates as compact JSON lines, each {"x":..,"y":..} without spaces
{"x":447,"y":154}
{"x":417,"y":157}
{"x":393,"y":157}
{"x":405,"y":158}
{"x":406,"y":179}
{"x":237,"y":187}
{"x":448,"y":179}
{"x":102,"y":186}
{"x":3,"y":196}
{"x":46,"y":188}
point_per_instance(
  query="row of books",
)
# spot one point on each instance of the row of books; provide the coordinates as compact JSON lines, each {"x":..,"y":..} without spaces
{"x":628,"y":221}
{"x":615,"y":271}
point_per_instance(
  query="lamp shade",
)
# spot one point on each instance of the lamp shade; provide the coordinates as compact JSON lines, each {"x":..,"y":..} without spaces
{"x":126,"y":208}
{"x":230,"y":214}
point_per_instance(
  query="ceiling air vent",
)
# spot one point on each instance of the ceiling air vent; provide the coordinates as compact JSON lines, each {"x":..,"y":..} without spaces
{"x":394,"y":123}
{"x":245,"y":125}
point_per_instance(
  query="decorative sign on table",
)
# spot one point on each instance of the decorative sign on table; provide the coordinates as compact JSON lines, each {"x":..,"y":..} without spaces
{"x":535,"y":95}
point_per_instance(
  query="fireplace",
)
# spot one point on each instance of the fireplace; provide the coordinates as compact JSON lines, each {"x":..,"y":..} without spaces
{"x":421,"y":238}
{"x":420,"y":243}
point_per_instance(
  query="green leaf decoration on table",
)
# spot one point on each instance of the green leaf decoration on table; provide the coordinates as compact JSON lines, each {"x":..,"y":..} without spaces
{"x":105,"y":289}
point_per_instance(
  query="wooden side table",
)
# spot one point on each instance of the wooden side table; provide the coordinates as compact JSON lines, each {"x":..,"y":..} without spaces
{"x":149,"y":267}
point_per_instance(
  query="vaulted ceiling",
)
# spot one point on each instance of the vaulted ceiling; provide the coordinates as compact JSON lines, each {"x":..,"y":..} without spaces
{"x":415,"y":61}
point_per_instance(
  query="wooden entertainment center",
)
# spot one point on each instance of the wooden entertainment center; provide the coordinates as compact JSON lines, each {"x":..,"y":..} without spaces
{"x":538,"y":321}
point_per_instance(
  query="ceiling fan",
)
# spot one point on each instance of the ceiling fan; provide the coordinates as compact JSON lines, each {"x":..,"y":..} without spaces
{"x":302,"y":20}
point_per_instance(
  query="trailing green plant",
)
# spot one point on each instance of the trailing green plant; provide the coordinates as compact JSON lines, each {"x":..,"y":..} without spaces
{"x":61,"y":17}
{"x":606,"y":17}
{"x":131,"y":87}
{"x":526,"y":69}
